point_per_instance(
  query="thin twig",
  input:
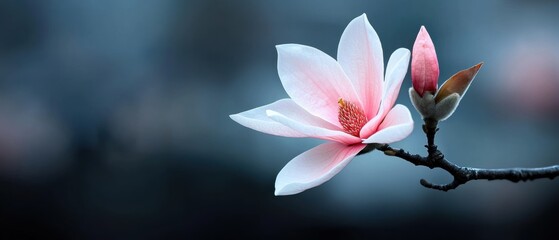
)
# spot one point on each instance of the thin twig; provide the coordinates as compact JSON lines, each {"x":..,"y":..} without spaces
{"x":461,"y":175}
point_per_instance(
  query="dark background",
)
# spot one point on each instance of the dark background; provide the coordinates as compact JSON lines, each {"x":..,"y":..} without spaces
{"x":114,"y":121}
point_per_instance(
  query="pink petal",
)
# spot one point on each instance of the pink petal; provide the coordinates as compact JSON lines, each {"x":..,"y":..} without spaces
{"x":424,"y":66}
{"x":396,"y":126}
{"x":372,"y":125}
{"x":315,"y":131}
{"x":314,"y":167}
{"x":360,"y":55}
{"x":395,"y":73}
{"x":314,"y":80}
{"x":258,"y":120}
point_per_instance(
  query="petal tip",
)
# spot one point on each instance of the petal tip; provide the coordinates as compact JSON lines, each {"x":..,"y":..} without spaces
{"x":404,"y":51}
{"x":362,"y":16}
{"x":282,"y":192}
{"x":235,"y":117}
{"x":281,"y":46}
{"x":289,"y":189}
{"x":423,"y":37}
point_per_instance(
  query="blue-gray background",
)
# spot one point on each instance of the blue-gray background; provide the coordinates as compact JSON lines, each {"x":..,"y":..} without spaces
{"x":114,"y":121}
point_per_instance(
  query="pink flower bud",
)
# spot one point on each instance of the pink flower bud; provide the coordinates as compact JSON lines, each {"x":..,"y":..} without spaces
{"x":424,"y":64}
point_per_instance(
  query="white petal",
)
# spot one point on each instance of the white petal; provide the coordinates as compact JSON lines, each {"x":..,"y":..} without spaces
{"x":360,"y":55}
{"x":396,"y":126}
{"x":314,"y":131}
{"x":314,"y":167}
{"x":372,"y":125}
{"x":395,"y":72}
{"x":314,"y":80}
{"x":258,"y":120}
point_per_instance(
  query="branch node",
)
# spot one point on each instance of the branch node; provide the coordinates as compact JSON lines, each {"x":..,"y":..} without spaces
{"x":390,"y":152}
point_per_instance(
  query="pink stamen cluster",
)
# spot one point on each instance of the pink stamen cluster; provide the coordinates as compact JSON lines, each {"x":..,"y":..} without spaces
{"x":351,"y":117}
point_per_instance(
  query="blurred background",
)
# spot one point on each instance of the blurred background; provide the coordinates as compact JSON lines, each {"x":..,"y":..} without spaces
{"x":114,"y":121}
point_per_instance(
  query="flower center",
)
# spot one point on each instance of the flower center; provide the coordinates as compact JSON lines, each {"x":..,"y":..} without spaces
{"x":351,"y":117}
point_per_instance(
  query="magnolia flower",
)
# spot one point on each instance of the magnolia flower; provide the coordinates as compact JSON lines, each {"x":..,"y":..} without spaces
{"x":347,"y":102}
{"x":431,"y":102}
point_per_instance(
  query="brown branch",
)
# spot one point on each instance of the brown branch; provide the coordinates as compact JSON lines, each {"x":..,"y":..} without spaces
{"x":461,"y":175}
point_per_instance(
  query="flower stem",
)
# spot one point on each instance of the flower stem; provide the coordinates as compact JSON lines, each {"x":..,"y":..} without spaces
{"x":430,"y":129}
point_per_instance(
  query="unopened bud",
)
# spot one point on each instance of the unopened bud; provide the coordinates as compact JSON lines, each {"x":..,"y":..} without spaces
{"x":424,"y":64}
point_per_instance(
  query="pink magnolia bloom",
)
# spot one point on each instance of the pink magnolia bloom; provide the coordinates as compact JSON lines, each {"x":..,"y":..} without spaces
{"x":424,"y":64}
{"x":347,"y":102}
